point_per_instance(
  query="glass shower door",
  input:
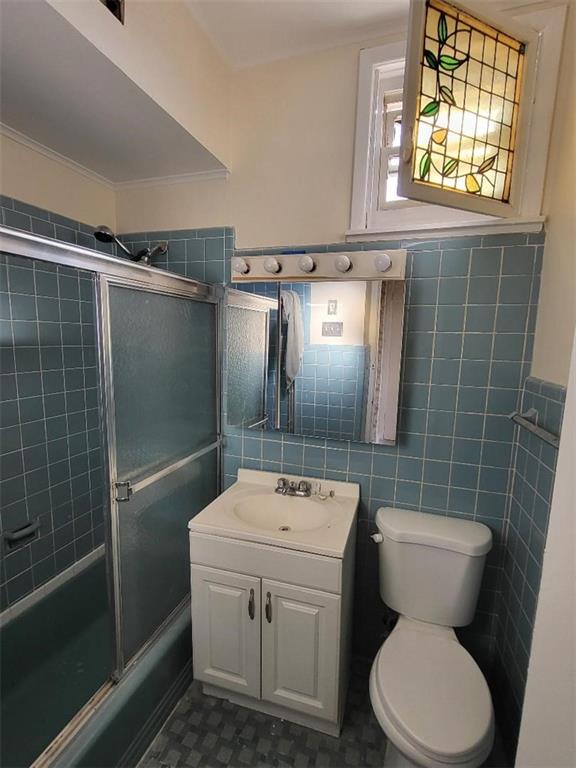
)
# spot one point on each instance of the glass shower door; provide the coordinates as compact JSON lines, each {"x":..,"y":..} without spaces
{"x":163,"y":409}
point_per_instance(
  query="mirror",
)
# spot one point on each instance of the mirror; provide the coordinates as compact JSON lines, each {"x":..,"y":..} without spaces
{"x":332,"y":369}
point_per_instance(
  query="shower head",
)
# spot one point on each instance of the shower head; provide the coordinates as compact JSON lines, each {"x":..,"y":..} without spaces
{"x":105,"y":235}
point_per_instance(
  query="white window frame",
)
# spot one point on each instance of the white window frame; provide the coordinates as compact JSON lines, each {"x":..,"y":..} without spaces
{"x":412,"y":219}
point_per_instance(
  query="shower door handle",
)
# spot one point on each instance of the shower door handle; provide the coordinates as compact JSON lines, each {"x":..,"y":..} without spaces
{"x":123,"y":491}
{"x":251,"y":610}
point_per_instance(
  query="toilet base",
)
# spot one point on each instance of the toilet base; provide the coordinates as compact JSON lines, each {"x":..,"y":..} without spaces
{"x":393,"y":758}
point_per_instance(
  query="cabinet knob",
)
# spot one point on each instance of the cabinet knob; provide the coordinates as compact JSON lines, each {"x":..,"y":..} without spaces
{"x":268,"y":607}
{"x":251,"y":611}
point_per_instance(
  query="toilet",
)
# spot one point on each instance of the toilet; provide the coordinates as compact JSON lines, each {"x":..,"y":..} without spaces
{"x":427,"y":693}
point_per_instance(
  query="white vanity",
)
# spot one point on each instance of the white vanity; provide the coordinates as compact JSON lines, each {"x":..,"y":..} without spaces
{"x":272,"y":580}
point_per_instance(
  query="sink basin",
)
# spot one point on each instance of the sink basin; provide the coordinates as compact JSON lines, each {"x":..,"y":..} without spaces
{"x":250,"y":511}
{"x":282,"y":513}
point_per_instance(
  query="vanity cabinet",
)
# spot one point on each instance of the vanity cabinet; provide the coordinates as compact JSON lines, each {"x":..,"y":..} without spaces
{"x":272,"y":641}
{"x":300,"y":648}
{"x":275,"y":637}
{"x":226,"y":629}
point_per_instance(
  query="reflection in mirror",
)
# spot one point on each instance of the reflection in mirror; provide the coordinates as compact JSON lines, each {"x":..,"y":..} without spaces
{"x":339,"y":353}
{"x":249,"y":324}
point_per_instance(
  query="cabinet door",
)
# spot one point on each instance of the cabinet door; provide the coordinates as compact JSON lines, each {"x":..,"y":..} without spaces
{"x":300,"y":647}
{"x":226,"y":629}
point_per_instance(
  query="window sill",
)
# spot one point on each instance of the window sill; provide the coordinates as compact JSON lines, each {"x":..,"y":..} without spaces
{"x":441,"y":231}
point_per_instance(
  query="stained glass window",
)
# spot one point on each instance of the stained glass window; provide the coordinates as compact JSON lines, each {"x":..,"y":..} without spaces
{"x":470,"y":86}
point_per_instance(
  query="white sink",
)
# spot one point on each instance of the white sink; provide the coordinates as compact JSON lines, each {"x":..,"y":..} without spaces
{"x":283,"y":513}
{"x":251,"y":511}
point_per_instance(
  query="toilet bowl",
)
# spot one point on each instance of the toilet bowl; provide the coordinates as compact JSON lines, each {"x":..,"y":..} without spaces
{"x":427,"y":693}
{"x":431,"y":699}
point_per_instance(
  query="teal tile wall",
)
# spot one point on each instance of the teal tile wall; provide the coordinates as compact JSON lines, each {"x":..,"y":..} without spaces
{"x":533,"y":482}
{"x":470,"y":315}
{"x":50,"y":434}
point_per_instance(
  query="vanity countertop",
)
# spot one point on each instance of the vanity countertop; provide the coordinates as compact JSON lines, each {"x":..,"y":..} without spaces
{"x":250,"y":510}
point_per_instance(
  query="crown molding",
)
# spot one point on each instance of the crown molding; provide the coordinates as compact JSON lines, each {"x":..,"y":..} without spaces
{"x":72,"y":165}
{"x":51,"y":154}
{"x":181,"y":178}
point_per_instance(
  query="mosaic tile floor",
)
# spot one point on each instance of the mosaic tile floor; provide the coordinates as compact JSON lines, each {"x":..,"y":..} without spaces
{"x":205,"y":732}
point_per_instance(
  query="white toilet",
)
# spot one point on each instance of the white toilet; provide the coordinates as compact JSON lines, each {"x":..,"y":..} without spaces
{"x":427,"y":692}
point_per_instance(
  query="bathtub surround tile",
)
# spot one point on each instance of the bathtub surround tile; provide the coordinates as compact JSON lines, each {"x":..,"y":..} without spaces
{"x":51,"y":465}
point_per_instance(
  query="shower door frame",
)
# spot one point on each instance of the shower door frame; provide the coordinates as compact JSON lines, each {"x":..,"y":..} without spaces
{"x":177,"y":288}
{"x":112,"y":270}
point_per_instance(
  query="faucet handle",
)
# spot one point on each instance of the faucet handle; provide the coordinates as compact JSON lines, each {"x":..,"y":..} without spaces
{"x":304,"y":486}
{"x":282,"y":482}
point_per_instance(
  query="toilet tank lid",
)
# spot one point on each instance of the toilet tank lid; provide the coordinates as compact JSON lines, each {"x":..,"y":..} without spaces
{"x":454,"y":534}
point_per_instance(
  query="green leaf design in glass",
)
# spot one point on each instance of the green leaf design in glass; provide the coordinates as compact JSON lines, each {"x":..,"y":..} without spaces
{"x":430,"y":109}
{"x":425,"y":165}
{"x":431,"y":60}
{"x":442,"y":29}
{"x":447,"y":95}
{"x":449,"y":63}
{"x":450,"y":165}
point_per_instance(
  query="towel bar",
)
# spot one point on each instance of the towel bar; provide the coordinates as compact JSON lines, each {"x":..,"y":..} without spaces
{"x":523,"y":419}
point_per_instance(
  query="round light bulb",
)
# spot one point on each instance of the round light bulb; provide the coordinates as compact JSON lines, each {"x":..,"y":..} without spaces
{"x":272,"y":265}
{"x":306,"y":263}
{"x":382,"y":262}
{"x":240,"y":265}
{"x":342,"y":262}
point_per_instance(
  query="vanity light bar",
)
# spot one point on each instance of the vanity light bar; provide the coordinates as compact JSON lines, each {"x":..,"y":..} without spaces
{"x":295,"y":267}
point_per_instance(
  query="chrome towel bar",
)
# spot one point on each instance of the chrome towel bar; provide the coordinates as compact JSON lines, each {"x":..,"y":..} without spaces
{"x":525,"y":421}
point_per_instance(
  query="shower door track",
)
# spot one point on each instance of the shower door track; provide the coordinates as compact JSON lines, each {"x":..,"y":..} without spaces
{"x":35,"y":247}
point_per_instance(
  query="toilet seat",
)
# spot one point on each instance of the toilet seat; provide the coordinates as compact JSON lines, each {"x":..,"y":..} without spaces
{"x":431,"y":698}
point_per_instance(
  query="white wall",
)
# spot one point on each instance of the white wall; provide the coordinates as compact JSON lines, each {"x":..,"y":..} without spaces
{"x":292,"y":142}
{"x":557,"y":308}
{"x":548,"y":730}
{"x":163,"y":50}
{"x":42,"y":180}
{"x":174,"y":206}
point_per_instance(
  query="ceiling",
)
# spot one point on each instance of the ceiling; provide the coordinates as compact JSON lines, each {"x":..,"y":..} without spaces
{"x":92,"y":114}
{"x":249,"y":32}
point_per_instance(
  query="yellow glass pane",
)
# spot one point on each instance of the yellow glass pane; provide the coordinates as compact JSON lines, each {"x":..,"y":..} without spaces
{"x":489,"y":51}
{"x":461,"y":40}
{"x":469,"y":92}
{"x":507,"y":112}
{"x":477,"y":46}
{"x":512,"y":63}
{"x":510,"y":90}
{"x":486,"y":78}
{"x":501,"y":62}
{"x":432,"y":18}
{"x":428,"y":82}
{"x":484,"y":106}
{"x":474,"y":72}
{"x":496,"y":107}
{"x":472,"y":99}
{"x":499,"y":83}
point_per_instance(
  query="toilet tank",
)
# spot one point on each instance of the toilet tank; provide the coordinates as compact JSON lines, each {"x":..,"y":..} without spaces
{"x":431,"y":566}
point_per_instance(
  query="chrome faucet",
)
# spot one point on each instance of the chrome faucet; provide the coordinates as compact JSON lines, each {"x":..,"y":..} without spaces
{"x":284,"y":487}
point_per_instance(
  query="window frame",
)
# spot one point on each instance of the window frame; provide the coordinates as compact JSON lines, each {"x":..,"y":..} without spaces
{"x":412,"y":218}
